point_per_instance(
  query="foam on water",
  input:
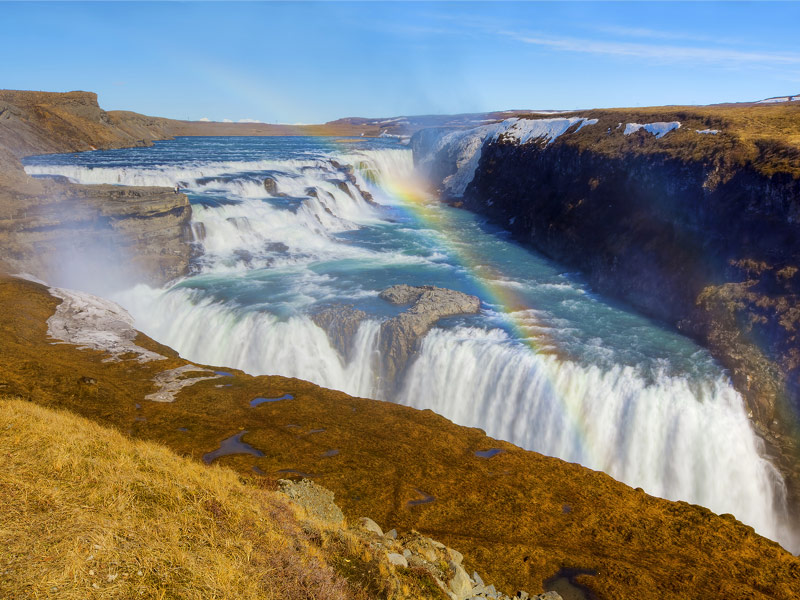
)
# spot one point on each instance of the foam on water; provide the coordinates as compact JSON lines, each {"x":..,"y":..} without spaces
{"x":603,"y":388}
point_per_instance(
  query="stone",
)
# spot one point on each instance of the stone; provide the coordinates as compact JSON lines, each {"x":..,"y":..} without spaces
{"x":391,"y":534}
{"x":271,"y":186}
{"x":456,"y":556}
{"x":460,"y":582}
{"x":340,"y":322}
{"x":317,"y":500}
{"x":407,"y":553}
{"x":399,"y":336}
{"x":477,"y":578}
{"x":397,"y":560}
{"x":370,"y":525}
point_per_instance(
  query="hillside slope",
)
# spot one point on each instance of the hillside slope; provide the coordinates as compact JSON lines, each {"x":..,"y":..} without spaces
{"x":519,"y":516}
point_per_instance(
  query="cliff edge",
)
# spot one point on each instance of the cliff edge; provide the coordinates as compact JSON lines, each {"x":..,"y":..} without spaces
{"x":56,"y":229}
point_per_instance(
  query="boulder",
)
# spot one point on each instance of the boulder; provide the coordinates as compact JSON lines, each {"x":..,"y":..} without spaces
{"x":400,"y":336}
{"x":370,"y":525}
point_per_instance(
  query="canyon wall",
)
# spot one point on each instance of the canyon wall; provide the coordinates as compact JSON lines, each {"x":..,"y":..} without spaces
{"x":72,"y":233}
{"x":698,"y":230}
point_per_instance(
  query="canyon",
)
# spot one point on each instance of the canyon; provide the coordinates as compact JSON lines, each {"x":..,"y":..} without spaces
{"x":696,"y":230}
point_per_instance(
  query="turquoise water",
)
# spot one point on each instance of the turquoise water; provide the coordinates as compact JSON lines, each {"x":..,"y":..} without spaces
{"x":563,"y":371}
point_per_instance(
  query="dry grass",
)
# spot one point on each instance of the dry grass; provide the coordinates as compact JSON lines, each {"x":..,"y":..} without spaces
{"x":88,"y":513}
{"x":765,"y":137}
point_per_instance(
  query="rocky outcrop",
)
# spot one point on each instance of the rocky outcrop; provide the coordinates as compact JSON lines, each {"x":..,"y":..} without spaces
{"x":47,"y":122}
{"x":340,"y":322}
{"x":73,"y":234}
{"x":401,"y":335}
{"x":409,"y":550}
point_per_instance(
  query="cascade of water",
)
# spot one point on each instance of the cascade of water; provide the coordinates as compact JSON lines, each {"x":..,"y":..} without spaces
{"x":675,"y":439}
{"x":674,"y":435}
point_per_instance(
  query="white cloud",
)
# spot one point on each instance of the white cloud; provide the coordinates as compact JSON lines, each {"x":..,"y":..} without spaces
{"x":227,"y":121}
{"x":659,"y":52}
{"x":249,"y":121}
{"x":205,"y":120}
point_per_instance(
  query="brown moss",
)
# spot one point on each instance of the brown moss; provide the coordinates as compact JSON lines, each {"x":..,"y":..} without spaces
{"x":504,"y":513}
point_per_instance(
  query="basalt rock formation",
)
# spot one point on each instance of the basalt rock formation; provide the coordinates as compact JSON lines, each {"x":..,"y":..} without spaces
{"x":518,"y":517}
{"x":401,"y":335}
{"x":697,"y":227}
{"x":341,"y":323}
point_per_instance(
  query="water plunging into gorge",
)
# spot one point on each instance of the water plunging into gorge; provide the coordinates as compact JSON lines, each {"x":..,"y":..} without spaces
{"x":288,"y":227}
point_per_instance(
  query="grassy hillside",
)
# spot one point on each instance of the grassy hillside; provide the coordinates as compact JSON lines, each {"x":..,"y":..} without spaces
{"x":90,"y":513}
{"x":518,"y":516}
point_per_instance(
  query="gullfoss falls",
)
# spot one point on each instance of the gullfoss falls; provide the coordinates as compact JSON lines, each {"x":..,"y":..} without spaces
{"x":288,"y":228}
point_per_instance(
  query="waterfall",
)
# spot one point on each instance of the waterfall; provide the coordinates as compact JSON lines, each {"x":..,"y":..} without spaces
{"x":281,"y":239}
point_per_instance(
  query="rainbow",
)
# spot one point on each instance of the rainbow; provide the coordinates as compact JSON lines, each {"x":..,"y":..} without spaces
{"x":417,"y":201}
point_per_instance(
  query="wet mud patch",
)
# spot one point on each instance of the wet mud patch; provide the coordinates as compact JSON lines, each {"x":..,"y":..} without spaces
{"x":261,"y":400}
{"x":290,"y":473}
{"x":488,"y":453}
{"x":564,"y":582}
{"x":423,"y":499}
{"x":232,"y":445}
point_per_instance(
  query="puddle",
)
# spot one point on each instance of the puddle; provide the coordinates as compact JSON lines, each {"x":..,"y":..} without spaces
{"x":258,"y":470}
{"x":296,"y":473}
{"x":564,"y":583}
{"x":425,"y":499}
{"x":232,"y":445}
{"x":140,"y":419}
{"x":223,"y":373}
{"x":488,"y":453}
{"x":256,"y":401}
{"x":138,"y":406}
{"x":332,"y":452}
{"x":291,"y":426}
{"x":316,"y":431}
{"x":183,"y":429}
{"x":566,"y":509}
{"x":221,"y":385}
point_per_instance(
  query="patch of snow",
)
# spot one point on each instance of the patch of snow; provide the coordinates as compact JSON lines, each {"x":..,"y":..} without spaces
{"x":526,"y":130}
{"x":795,"y":98}
{"x":463,"y":147}
{"x":94,"y":323}
{"x":171,"y":382}
{"x":708,"y":131}
{"x":658,"y":129}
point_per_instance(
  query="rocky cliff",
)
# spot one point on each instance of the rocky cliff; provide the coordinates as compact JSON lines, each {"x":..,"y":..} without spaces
{"x":690,"y":216}
{"x":72,"y":233}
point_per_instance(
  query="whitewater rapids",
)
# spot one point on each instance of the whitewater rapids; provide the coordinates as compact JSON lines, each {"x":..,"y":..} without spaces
{"x":619,"y":395}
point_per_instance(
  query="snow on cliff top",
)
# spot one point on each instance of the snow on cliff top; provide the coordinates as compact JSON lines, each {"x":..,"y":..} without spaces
{"x":780,"y":99}
{"x":525,"y":130}
{"x":658,"y":129}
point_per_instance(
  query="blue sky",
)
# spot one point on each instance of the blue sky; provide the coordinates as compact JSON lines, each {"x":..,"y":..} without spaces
{"x":312,"y":62}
